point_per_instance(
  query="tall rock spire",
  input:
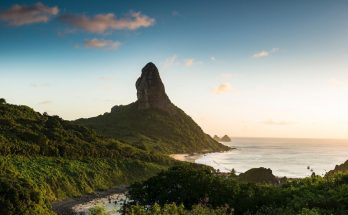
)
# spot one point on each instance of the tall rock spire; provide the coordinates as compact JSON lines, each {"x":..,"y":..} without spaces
{"x":150,"y":90}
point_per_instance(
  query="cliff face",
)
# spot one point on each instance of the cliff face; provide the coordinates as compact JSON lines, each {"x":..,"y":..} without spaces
{"x":150,"y":90}
{"x":225,"y":138}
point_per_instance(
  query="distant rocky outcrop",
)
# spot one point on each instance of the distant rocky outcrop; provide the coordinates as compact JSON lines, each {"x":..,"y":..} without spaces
{"x":225,"y":138}
{"x":153,"y":122}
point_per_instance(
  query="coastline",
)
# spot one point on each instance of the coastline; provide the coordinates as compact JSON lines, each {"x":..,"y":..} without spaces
{"x":70,"y":205}
{"x":195,"y":156}
{"x":186,"y":157}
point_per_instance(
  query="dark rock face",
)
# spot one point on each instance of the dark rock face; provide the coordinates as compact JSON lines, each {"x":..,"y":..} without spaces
{"x":225,"y":139}
{"x":150,"y":90}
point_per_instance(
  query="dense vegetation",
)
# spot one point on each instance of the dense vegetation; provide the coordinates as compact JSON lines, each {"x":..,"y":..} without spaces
{"x":154,"y":130}
{"x":44,"y":158}
{"x":191,"y":185}
{"x":19,"y":196}
{"x":25,"y":132}
{"x":173,"y":208}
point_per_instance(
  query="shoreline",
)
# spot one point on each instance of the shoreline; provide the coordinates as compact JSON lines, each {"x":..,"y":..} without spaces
{"x":187,"y":157}
{"x":66,"y":207}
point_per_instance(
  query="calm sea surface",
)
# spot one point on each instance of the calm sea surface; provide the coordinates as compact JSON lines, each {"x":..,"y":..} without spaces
{"x":286,"y":157}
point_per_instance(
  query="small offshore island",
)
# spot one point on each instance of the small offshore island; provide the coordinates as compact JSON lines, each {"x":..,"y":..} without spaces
{"x":225,"y":138}
{"x":92,"y":165}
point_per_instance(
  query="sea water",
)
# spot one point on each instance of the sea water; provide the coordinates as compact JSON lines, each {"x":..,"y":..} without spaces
{"x":286,"y":157}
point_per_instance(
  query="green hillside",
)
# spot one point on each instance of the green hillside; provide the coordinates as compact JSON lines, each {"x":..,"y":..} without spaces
{"x":153,"y":129}
{"x":339,"y":168}
{"x":44,"y":158}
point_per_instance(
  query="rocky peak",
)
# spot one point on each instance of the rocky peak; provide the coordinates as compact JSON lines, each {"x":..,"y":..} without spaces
{"x":150,"y":89}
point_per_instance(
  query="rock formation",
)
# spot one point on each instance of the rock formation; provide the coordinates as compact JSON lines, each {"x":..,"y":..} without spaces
{"x":225,"y":139}
{"x":153,"y":122}
{"x":222,"y":139}
{"x":150,"y":90}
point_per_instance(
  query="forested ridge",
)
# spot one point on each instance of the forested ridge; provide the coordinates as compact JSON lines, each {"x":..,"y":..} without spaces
{"x":45,"y":158}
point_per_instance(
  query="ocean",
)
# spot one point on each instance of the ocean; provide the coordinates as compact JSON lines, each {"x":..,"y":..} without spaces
{"x":286,"y":157}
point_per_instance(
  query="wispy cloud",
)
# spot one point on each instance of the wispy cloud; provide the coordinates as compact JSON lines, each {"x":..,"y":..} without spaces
{"x":169,"y":62}
{"x":177,"y":61}
{"x":46,"y":102}
{"x":212,"y":58}
{"x":19,"y":15}
{"x":265,"y":53}
{"x":97,"y":43}
{"x":222,"y":88}
{"x":101,"y":23}
{"x":40,"y":85}
{"x":189,"y":62}
{"x":277,"y":122}
{"x":106,"y":78}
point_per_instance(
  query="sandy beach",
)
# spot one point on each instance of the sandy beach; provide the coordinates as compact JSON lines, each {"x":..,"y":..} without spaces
{"x":186,"y":157}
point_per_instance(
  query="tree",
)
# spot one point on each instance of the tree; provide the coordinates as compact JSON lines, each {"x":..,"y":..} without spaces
{"x":2,"y":101}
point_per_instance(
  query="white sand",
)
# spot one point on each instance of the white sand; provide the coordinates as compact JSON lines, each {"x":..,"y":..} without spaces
{"x":186,"y":157}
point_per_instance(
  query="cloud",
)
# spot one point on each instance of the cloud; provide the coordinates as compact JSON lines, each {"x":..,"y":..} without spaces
{"x":19,"y":15}
{"x":212,"y":58}
{"x":169,"y":62}
{"x":189,"y":62}
{"x":222,"y":88}
{"x":265,"y":53}
{"x":174,"y":60}
{"x":103,"y":22}
{"x":274,"y":122}
{"x":97,"y":43}
{"x":47,"y":102}
{"x":106,"y":78}
{"x":34,"y":85}
{"x":261,"y":54}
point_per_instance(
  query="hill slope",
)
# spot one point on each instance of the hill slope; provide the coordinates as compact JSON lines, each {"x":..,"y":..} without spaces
{"x":152,"y":122}
{"x":44,"y":158}
{"x":153,"y":130}
{"x":339,"y":168}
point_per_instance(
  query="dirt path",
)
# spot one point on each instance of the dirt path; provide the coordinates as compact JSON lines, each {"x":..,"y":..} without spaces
{"x":65,"y":207}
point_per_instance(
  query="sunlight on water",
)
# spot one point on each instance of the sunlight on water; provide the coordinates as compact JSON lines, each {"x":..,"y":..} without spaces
{"x":286,"y":157}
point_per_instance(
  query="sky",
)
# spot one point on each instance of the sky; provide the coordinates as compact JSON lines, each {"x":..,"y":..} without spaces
{"x":242,"y":68}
